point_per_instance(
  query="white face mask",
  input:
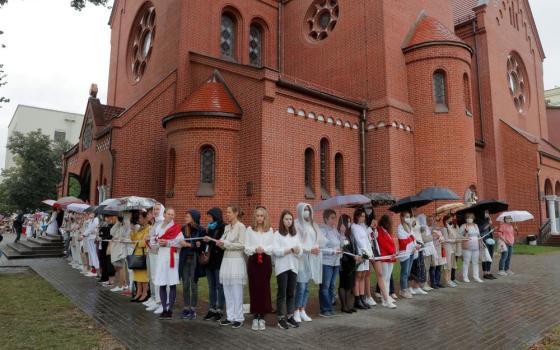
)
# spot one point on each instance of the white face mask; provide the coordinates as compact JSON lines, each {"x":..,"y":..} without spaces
{"x":450,"y":224}
{"x":508,"y":221}
{"x":408,"y":220}
{"x":469,"y":221}
{"x":306,"y":215}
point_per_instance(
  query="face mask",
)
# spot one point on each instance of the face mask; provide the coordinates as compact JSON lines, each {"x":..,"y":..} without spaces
{"x":306,"y":215}
{"x":212,"y":225}
{"x":449,"y":223}
{"x":408,"y":220}
{"x":508,"y":221}
{"x":487,"y":216}
{"x":136,"y":227}
{"x":469,"y":221}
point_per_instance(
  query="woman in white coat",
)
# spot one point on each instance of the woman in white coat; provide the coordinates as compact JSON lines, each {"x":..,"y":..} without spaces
{"x":360,"y":235}
{"x":310,"y":261}
{"x":168,"y":237}
{"x":120,"y":233}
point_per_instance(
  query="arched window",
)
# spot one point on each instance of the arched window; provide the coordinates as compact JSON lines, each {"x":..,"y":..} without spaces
{"x":309,"y":173}
{"x":171,"y":172}
{"x":207,"y":171}
{"x":467,"y":93}
{"x":228,"y":36}
{"x":440,"y":92}
{"x":339,"y":174}
{"x":255,"y":45}
{"x":324,"y":149}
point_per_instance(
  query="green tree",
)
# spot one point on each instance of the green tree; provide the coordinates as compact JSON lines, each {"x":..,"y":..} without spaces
{"x":37,"y":170}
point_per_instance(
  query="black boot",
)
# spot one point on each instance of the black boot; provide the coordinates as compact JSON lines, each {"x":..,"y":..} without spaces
{"x":344,"y":307}
{"x":358,"y":303}
{"x":363,"y":300}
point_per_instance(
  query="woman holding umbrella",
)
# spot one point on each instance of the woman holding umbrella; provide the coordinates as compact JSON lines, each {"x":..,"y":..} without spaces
{"x":471,"y":252}
{"x":506,"y":237}
{"x":486,"y":230}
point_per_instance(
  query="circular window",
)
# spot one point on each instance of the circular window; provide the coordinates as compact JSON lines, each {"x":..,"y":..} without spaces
{"x":517,"y":82}
{"x":141,"y":40}
{"x":321,"y":19}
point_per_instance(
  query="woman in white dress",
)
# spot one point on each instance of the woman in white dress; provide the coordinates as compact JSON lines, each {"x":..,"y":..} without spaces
{"x":89,"y":235}
{"x":120,"y":233}
{"x":52,"y":226}
{"x":310,"y":261}
{"x":233,"y":270}
{"x":360,"y":235}
{"x":168,"y":237}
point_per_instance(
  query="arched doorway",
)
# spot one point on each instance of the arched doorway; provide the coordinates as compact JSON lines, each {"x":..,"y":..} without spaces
{"x":85,"y":183}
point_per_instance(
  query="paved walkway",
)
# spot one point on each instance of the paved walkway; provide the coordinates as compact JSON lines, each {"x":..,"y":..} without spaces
{"x":510,"y":313}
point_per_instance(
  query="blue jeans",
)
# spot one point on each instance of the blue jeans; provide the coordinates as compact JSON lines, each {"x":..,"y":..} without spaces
{"x":506,"y":258}
{"x":302,"y":294}
{"x":215,"y":291}
{"x":328,"y":284}
{"x":405,"y":272}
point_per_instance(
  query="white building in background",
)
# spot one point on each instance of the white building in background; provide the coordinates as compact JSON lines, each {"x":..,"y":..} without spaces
{"x":57,"y":125}
{"x":552,"y":96}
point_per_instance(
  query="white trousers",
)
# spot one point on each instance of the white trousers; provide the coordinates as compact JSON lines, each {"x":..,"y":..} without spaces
{"x":92,"y":254}
{"x":386,"y":271}
{"x":234,"y":302}
{"x":152,"y":264}
{"x":75,"y":253}
{"x":470,"y":257}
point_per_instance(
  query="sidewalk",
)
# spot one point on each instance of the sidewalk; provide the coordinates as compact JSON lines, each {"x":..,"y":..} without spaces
{"x":509,"y":313}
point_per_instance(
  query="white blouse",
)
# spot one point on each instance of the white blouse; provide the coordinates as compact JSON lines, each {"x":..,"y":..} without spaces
{"x":290,"y":261}
{"x":254,"y":239}
{"x":361,"y":237}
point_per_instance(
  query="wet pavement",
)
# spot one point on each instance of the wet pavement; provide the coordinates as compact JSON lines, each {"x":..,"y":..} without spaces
{"x":509,"y":313}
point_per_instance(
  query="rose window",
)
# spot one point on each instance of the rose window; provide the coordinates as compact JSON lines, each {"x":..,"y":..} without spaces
{"x":141,"y":41}
{"x":517,"y":82}
{"x":321,"y":19}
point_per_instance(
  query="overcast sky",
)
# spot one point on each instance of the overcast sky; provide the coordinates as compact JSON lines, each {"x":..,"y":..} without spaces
{"x":53,"y":53}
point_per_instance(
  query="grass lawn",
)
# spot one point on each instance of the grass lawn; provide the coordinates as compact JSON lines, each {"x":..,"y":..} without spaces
{"x":551,"y":341}
{"x":33,"y":315}
{"x":525,"y":249}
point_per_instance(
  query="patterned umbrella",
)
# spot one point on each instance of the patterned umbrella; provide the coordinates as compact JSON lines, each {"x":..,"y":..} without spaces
{"x":342,"y":202}
{"x":451,"y":207}
{"x":78,"y":207}
{"x":49,"y":202}
{"x":128,"y":203}
{"x":381,"y":199}
{"x":516,"y":216}
{"x":65,"y":201}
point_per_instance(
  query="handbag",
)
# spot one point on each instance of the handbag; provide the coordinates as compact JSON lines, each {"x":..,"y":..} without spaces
{"x":486,"y":255}
{"x":204,"y":257}
{"x":136,"y":262}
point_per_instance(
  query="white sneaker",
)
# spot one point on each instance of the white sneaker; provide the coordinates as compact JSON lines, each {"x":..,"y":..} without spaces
{"x":510,"y":273}
{"x":370,"y":302}
{"x":378,"y":295}
{"x":304,"y":316}
{"x":466,"y":279}
{"x":148,"y":302}
{"x":255,"y":325}
{"x":502,"y":273}
{"x":476,"y":279}
{"x":427,"y":288}
{"x":91,"y":274}
{"x":391,"y":300}
{"x":406,"y":294}
{"x":412,"y":291}
{"x":451,"y":285}
{"x":420,"y":291}
{"x":117,"y":289}
{"x":297,"y":317}
{"x":262,"y":325}
{"x":153,"y":307}
{"x":388,"y":304}
{"x":158,"y":310}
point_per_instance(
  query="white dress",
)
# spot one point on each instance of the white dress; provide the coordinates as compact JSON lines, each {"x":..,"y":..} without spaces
{"x":165,"y":274}
{"x":52,"y":228}
{"x":363,"y":244}
{"x":233,"y":270}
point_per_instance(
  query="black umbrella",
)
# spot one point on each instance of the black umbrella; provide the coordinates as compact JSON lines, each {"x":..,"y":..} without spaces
{"x":438,"y":194}
{"x":381,"y":199}
{"x":407,"y":203}
{"x":493,"y":206}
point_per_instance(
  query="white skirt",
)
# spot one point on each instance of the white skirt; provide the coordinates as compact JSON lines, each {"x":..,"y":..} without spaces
{"x":165,"y":275}
{"x":233,"y":271}
{"x":52,"y":229}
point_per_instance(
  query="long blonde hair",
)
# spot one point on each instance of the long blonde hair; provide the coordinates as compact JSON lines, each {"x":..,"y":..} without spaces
{"x":266,"y":224}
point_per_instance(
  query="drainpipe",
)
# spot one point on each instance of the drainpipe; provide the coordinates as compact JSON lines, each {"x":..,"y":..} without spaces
{"x":279,"y":37}
{"x":480,"y":109}
{"x":363,"y":150}
{"x":539,"y":197}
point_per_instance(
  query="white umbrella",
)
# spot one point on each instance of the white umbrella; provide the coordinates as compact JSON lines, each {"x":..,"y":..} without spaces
{"x":128,"y":203}
{"x":49,"y":202}
{"x":516,"y":216}
{"x":77,"y":207}
{"x":343,"y":202}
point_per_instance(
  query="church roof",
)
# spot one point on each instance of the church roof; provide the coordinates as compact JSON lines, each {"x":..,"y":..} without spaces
{"x":429,"y":30}
{"x":212,"y":98}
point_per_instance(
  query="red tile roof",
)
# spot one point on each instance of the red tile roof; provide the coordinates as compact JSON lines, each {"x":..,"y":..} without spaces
{"x":110,"y":112}
{"x":428,"y":30}
{"x":463,"y":10}
{"x":213,"y":96}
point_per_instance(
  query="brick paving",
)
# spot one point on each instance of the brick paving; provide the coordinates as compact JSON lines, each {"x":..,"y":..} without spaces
{"x":510,"y":313}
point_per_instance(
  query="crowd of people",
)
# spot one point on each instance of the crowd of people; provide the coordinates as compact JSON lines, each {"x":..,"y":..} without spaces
{"x":145,"y":254}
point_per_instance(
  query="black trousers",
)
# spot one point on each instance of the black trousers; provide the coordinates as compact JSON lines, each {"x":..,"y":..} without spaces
{"x":18,"y":233}
{"x":107,"y":269}
{"x":285,"y":299}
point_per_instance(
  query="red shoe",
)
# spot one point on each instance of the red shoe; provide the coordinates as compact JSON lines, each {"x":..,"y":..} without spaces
{"x":93,"y":270}
{"x":127,"y":293}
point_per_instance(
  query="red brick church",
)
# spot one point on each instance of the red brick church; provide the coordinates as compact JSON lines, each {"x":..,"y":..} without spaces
{"x":274,"y":102}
